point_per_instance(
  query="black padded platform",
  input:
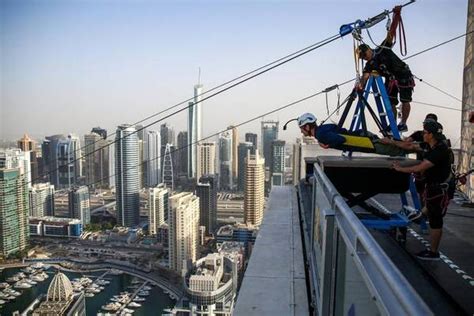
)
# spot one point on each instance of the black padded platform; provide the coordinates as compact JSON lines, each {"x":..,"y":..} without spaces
{"x":367,"y":175}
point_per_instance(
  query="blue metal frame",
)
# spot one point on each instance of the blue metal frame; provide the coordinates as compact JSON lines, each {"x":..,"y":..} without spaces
{"x":387,"y":118}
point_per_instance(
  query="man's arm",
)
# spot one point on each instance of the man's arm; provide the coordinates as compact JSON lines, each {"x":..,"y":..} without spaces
{"x":405,"y":145}
{"x":424,"y":165}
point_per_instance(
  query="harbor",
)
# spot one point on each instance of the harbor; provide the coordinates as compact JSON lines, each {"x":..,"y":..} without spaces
{"x":107,"y":291}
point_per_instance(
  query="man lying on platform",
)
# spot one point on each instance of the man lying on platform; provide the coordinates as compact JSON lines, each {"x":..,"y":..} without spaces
{"x":333,"y":136}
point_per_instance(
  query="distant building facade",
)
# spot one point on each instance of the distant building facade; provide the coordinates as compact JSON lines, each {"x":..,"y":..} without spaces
{"x":254,"y":189}
{"x":41,"y":198}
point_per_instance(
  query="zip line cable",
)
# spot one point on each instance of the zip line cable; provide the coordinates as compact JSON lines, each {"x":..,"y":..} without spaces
{"x":217,"y":133}
{"x":283,"y":61}
{"x":314,"y":47}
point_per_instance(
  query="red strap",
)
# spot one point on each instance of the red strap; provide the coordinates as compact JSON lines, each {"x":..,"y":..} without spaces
{"x":397,"y":21}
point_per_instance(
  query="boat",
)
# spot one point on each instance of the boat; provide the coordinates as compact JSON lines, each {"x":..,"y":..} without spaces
{"x":37,"y":278}
{"x":146,"y":288}
{"x":4,"y":285}
{"x":30,"y":281}
{"x":143,"y":293}
{"x":11,"y":298}
{"x":15,"y":293}
{"x":139,"y":299}
{"x":2,"y":302}
{"x":89,"y":295}
{"x":134,"y":305}
{"x":111,"y":306}
{"x":28,"y":270}
{"x":22,"y":285}
{"x":13,"y":279}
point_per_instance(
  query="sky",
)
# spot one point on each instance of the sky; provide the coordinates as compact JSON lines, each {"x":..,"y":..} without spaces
{"x":68,"y":66}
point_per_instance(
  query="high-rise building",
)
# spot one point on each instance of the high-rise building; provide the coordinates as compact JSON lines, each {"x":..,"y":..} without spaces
{"x":212,"y":285}
{"x":277,"y":168}
{"x":168,"y":166}
{"x":127,"y":184}
{"x":152,"y":159}
{"x":42,"y":200}
{"x":61,"y":300}
{"x":243,"y":149}
{"x":252,"y":138}
{"x":269,"y":134}
{"x":16,"y":158}
{"x":183,"y":232}
{"x":79,"y":204}
{"x":254,"y":189}
{"x":167,"y":134}
{"x":111,"y":179}
{"x":27,"y":144}
{"x":206,"y":159}
{"x":158,"y":203}
{"x":182,"y":154}
{"x":194,"y":129}
{"x":206,"y":191}
{"x":62,"y":156}
{"x":235,"y":159}
{"x":14,"y":206}
{"x":225,"y":160}
{"x":466,"y":162}
{"x":96,"y":152}
{"x":100,"y":131}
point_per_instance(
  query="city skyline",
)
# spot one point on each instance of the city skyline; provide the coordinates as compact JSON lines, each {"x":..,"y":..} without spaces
{"x":257,"y":96}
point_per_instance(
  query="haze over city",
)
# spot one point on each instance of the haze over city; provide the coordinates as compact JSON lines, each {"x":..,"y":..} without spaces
{"x":69,"y":66}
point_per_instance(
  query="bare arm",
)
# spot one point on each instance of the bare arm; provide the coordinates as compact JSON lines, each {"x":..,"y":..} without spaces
{"x":424,"y":165}
{"x":405,"y":145}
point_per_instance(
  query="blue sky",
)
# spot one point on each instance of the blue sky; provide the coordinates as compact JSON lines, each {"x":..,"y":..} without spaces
{"x":67,"y":66}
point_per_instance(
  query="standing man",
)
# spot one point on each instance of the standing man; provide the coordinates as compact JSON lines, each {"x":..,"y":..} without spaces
{"x":436,"y":168}
{"x":398,"y":78}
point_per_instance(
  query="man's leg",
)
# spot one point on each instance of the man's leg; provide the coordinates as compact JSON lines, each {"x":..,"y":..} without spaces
{"x":435,"y":238}
{"x":405,"y":98}
{"x":406,"y":107}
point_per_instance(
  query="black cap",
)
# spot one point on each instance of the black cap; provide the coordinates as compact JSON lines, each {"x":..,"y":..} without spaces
{"x":434,"y":128}
{"x":432,"y":116}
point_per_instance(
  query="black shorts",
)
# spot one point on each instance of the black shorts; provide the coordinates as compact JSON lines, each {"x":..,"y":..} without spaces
{"x":404,"y":88}
{"x":435,"y":200}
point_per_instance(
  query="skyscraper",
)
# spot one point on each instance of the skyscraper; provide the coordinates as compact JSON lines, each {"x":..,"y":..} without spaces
{"x":194,"y":129}
{"x":166,"y":134}
{"x":158,"y":203}
{"x":27,"y":144}
{"x":225,"y":160}
{"x":277,"y":168}
{"x":16,"y":158}
{"x":243,"y":149}
{"x":206,"y":191}
{"x":183,"y":233}
{"x":79,"y":204}
{"x":254,"y":189}
{"x":168,"y":166}
{"x":235,"y":142}
{"x":111,"y":179}
{"x":96,"y":152}
{"x":269,"y":134}
{"x":62,"y":156}
{"x":100,"y":131}
{"x":206,"y":159}
{"x":182,"y":154}
{"x":126,"y":176}
{"x":42,"y":200}
{"x":152,"y":158}
{"x":14,"y":207}
{"x":467,"y":133}
{"x":252,"y":138}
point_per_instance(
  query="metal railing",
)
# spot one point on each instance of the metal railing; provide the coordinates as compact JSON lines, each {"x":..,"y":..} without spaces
{"x":349,"y":271}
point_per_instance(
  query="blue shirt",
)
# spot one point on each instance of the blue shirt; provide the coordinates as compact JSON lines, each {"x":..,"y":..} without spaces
{"x":329,"y":134}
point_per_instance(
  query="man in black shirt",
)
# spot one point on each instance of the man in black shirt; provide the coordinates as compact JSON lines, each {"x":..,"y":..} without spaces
{"x":436,"y":168}
{"x":398,"y":77}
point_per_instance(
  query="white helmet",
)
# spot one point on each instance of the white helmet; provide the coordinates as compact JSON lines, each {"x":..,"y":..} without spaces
{"x":306,"y":118}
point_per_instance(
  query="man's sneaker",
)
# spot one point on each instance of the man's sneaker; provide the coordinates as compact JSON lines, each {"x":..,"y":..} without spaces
{"x":414,"y":215}
{"x":402,"y":127}
{"x":428,"y":255}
